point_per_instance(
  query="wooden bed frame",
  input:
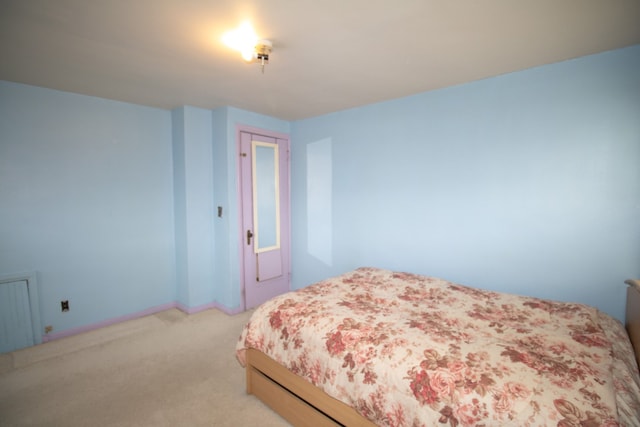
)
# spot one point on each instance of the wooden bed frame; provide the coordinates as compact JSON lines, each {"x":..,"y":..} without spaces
{"x":304,"y":405}
{"x":294,"y":398}
{"x":633,"y":315}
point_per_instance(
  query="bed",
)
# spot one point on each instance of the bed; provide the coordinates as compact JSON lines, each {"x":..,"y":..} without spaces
{"x":377,"y":347}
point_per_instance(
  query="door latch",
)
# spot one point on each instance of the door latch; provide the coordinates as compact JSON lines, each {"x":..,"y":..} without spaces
{"x":249,"y":236}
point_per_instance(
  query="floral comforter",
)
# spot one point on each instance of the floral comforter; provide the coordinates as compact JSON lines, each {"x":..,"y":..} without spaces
{"x":410,"y":350}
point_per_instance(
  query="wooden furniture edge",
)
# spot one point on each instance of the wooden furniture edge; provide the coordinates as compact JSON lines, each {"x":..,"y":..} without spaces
{"x":632,"y":321}
{"x":294,"y":398}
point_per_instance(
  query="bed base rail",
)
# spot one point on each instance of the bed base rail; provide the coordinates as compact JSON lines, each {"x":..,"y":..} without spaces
{"x":295,"y":399}
{"x":633,"y":315}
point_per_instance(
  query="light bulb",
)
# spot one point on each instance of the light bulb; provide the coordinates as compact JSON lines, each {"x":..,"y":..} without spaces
{"x":243,"y":39}
{"x":247,"y":55}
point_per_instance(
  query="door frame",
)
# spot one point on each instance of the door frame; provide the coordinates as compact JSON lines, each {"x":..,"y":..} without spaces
{"x":240,"y":128}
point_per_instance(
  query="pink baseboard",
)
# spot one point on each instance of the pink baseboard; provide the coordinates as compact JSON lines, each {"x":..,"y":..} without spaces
{"x":147,"y":312}
{"x":193,"y":310}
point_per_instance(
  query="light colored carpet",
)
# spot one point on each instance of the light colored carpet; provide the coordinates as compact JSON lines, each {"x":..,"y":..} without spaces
{"x":167,"y":369}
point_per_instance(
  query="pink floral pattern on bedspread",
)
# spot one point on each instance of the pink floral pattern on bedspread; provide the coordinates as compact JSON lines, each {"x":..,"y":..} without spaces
{"x":410,"y":350}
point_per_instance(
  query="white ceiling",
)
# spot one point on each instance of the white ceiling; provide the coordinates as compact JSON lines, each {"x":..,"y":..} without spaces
{"x":328,"y":55}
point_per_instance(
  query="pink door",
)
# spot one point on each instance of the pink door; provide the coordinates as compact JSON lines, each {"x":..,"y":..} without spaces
{"x":264,"y":184}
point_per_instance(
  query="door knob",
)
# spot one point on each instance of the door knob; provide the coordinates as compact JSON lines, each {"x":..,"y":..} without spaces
{"x":249,"y":236}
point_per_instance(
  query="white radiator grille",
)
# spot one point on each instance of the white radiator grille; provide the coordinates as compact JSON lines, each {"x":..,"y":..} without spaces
{"x":18,"y":300}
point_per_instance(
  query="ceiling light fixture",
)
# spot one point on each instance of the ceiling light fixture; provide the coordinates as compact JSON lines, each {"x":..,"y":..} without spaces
{"x":262,"y":51}
{"x":244,"y":40}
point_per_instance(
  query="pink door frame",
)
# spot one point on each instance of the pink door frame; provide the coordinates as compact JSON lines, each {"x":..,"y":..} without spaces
{"x":245,"y":202}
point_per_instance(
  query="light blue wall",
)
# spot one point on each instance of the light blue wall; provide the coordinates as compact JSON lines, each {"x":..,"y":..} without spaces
{"x":528,"y":182}
{"x":194,"y":210}
{"x":86,"y":200}
{"x":224,"y":262}
{"x":115,"y":205}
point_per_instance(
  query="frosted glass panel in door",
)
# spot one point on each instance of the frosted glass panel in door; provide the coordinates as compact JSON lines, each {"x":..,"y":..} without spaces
{"x":266,"y":206}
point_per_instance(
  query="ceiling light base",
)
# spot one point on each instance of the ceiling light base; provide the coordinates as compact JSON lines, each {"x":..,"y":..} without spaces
{"x":262,"y":52}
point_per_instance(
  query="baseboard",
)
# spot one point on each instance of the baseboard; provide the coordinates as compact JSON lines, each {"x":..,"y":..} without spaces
{"x":217,"y":306}
{"x":108,"y":322}
{"x":147,"y":312}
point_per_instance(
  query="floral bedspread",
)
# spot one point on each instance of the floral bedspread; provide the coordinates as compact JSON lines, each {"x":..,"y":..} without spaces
{"x":410,"y":350}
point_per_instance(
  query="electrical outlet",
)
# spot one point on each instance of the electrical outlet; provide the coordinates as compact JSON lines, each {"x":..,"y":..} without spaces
{"x":48,"y":329}
{"x":64,"y":305}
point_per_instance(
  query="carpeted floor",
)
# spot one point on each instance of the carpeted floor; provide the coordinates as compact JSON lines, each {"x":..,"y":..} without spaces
{"x":168,"y":369}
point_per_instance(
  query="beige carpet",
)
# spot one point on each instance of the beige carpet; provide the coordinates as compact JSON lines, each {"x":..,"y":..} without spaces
{"x":168,"y":369}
